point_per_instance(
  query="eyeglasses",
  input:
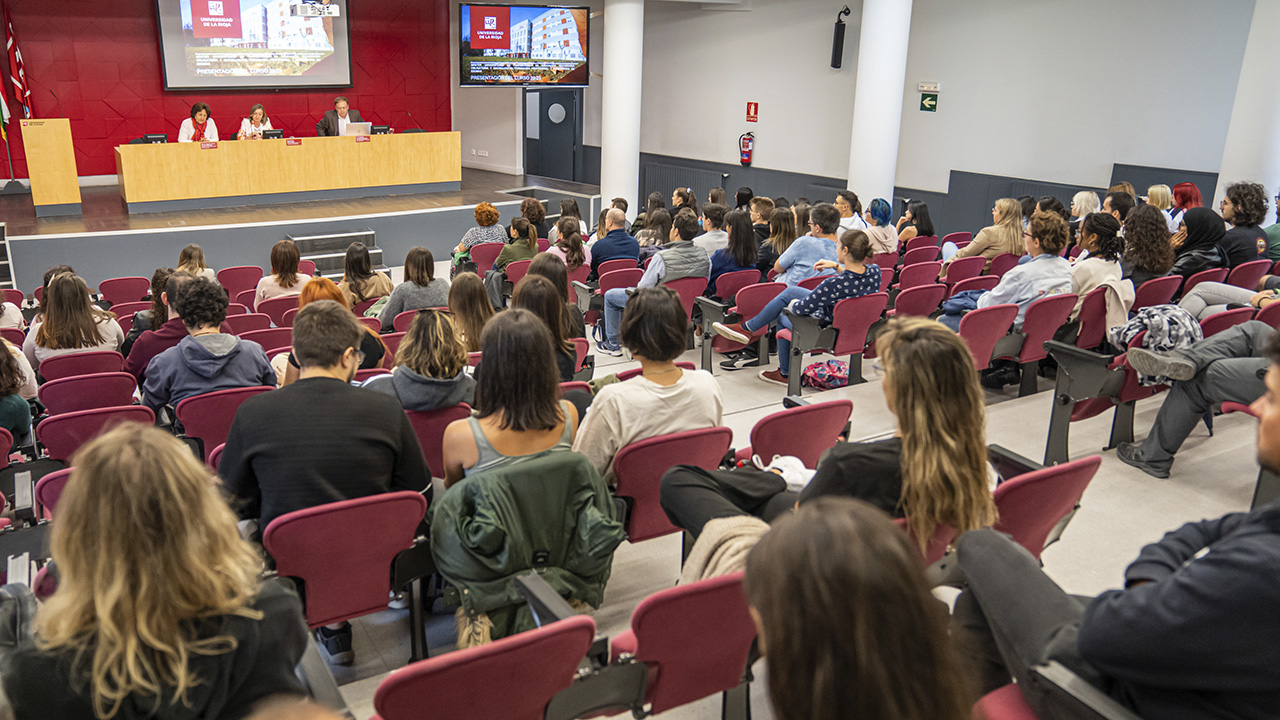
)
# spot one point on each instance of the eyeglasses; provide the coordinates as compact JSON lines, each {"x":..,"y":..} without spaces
{"x":1026,"y":234}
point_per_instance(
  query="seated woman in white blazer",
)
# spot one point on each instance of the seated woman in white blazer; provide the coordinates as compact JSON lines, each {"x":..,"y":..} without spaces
{"x":252,"y":127}
{"x":199,"y":127}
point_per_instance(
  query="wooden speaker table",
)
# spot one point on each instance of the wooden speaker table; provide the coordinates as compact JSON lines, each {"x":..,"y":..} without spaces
{"x":185,"y":176}
{"x":51,"y":165}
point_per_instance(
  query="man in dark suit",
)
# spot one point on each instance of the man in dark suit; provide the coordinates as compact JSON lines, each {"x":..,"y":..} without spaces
{"x":335,"y":120}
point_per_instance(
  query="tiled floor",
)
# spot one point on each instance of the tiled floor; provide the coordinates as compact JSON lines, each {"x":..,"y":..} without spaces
{"x":1122,"y":510}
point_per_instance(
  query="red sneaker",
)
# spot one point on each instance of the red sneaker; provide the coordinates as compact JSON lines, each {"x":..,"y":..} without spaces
{"x":774,"y":376}
{"x":735,"y":332}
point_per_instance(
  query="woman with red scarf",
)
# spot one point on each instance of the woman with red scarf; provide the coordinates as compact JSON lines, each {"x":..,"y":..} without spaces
{"x":199,"y":127}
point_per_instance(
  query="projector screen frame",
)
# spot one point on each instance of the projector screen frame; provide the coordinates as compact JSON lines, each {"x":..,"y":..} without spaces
{"x":164,"y":67}
{"x":586,"y":54}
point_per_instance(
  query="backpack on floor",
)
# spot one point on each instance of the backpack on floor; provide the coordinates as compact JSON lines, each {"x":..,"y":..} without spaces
{"x":827,"y":375}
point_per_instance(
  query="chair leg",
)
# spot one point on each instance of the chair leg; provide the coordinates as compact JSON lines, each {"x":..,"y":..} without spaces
{"x":855,"y":369}
{"x":797,"y":370}
{"x":1029,"y":370}
{"x":762,"y":351}
{"x":1056,"y":447}
{"x":417,"y":628}
{"x":735,"y":703}
{"x":707,"y":336}
{"x":1122,"y":425}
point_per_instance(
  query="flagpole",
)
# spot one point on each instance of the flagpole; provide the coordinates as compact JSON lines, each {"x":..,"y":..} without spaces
{"x":13,"y":187}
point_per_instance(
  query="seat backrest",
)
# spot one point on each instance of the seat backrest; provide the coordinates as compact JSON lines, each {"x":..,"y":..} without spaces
{"x":640,"y":465}
{"x":804,"y":431}
{"x":271,"y":338}
{"x":241,"y":324}
{"x":13,"y":335}
{"x":1093,"y":319}
{"x":85,"y":363}
{"x":238,"y":279}
{"x":215,"y":455}
{"x":127,"y":309}
{"x":61,"y":435}
{"x":620,"y":278}
{"x":1157,"y":291}
{"x":543,"y":245}
{"x":581,"y":274}
{"x":574,"y":385}
{"x":1247,"y":275}
{"x":964,"y":268}
{"x":17,"y":297}
{"x":937,"y":545}
{"x":429,"y":427}
{"x":1031,"y":504}
{"x":1043,"y":318}
{"x":484,"y":254}
{"x":957,"y":238}
{"x":1210,"y":275}
{"x":517,"y":270}
{"x":208,"y":417}
{"x":372,"y":323}
{"x":246,"y":297}
{"x":1003,"y":263}
{"x":38,"y":294}
{"x":581,"y":348}
{"x":728,"y":284}
{"x":812,"y":283}
{"x":695,"y":638}
{"x":236,"y":308}
{"x":886,"y":261}
{"x":982,"y":328}
{"x":275,"y":308}
{"x":688,"y":288}
{"x":922,"y":241}
{"x":362,"y":375}
{"x":345,"y":574}
{"x":1269,"y":314}
{"x":982,"y":282}
{"x":530,"y":668}
{"x":919,"y":301}
{"x":87,"y":392}
{"x":852,"y":318}
{"x":473,"y":359}
{"x":928,"y":253}
{"x":402,"y":321}
{"x":392,"y":341}
{"x":1218,"y":322}
{"x":752,"y":298}
{"x":306,"y":268}
{"x":924,"y":273}
{"x":49,"y":489}
{"x":124,"y":289}
{"x":359,"y":308}
{"x":609,"y":266}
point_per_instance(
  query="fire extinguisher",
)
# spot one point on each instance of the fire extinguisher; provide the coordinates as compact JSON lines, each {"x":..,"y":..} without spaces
{"x":746,"y":145}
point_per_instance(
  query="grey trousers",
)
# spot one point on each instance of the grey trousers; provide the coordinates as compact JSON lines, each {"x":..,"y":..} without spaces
{"x":493,"y":286}
{"x":1230,"y":368}
{"x":1209,"y":298}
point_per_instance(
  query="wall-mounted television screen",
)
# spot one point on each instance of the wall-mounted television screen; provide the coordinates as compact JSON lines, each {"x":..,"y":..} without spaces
{"x":523,"y":45}
{"x":241,"y":44}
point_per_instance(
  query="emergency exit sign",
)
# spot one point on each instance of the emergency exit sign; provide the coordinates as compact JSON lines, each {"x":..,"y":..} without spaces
{"x":928,"y":102}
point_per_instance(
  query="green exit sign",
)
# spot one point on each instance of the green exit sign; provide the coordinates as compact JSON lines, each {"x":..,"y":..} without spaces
{"x":928,"y":102}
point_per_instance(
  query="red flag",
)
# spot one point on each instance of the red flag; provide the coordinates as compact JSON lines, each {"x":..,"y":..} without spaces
{"x":17,"y":73}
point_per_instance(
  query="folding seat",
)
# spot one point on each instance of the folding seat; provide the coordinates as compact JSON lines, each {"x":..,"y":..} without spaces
{"x":207,"y":418}
{"x":238,"y":279}
{"x":85,"y":363}
{"x":852,"y":319}
{"x":1157,"y":291}
{"x":124,"y":289}
{"x":981,"y":329}
{"x":87,"y":392}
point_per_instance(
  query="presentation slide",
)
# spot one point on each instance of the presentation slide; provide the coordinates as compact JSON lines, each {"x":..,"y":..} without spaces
{"x":523,"y":45}
{"x":236,"y":44}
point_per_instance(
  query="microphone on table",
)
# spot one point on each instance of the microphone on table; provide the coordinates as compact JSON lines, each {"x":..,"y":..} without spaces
{"x":411,"y":117}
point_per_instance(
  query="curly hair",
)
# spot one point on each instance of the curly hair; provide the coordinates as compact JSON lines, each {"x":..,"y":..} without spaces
{"x":533,"y":210}
{"x":1250,"y":200}
{"x":1050,"y":230}
{"x":1147,"y":245}
{"x":1107,"y":228}
{"x":486,"y":214}
{"x":201,"y":302}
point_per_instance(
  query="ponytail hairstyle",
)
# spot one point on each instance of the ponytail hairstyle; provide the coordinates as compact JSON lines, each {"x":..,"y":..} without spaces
{"x":159,"y":312}
{"x":570,"y":242}
{"x":857,"y":244}
{"x":525,"y":230}
{"x":1107,"y":228}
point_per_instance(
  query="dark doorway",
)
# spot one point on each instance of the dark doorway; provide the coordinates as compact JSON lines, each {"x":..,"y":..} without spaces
{"x":553,"y":133}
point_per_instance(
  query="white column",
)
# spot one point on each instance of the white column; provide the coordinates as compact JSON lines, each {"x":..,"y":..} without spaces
{"x":620,"y":116}
{"x":877,"y":104}
{"x":1252,"y":149}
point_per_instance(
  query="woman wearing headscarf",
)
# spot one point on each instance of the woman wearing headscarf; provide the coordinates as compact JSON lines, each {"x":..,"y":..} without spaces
{"x":1197,"y":242}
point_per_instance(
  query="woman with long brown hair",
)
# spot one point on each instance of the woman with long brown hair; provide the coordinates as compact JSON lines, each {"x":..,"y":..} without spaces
{"x":284,"y":280}
{"x":371,"y":345}
{"x":360,"y":281}
{"x":471,"y":308}
{"x":191,"y":260}
{"x":152,"y":318}
{"x":568,"y":209}
{"x":568,"y":244}
{"x":1004,"y":235}
{"x":70,"y":323}
{"x":431,"y":366}
{"x":161,"y":610}
{"x":551,"y":267}
{"x":420,"y":289}
{"x":845,"y":617}
{"x":15,"y":411}
{"x":539,"y":296}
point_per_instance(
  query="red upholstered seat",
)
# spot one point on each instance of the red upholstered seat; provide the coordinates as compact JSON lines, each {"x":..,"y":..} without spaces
{"x":87,"y":392}
{"x":983,"y":328}
{"x":1212,"y":275}
{"x":124,"y":289}
{"x":429,"y":427}
{"x":62,"y":435}
{"x":1032,"y":504}
{"x":208,"y":417}
{"x":640,"y":465}
{"x":484,"y":254}
{"x":85,"y":363}
{"x":1005,"y":703}
{"x":1247,"y":275}
{"x":239,"y":279}
{"x":805,"y":431}
{"x":1003,"y":263}
{"x":241,"y":324}
{"x":919,"y":301}
{"x":1157,"y":291}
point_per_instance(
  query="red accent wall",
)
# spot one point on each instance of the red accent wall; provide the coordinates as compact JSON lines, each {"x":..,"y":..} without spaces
{"x":102,"y":60}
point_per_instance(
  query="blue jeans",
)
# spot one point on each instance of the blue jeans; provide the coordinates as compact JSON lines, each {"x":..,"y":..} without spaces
{"x":614,"y":302}
{"x":784,"y":349}
{"x":773,"y":312}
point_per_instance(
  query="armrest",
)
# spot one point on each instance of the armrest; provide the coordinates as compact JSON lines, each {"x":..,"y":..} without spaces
{"x":809,"y":334}
{"x":544,"y":601}
{"x":583,"y":292}
{"x":412,"y":564}
{"x":712,"y":310}
{"x":791,"y":401}
{"x":1084,"y":374}
{"x":1077,"y":697}
{"x":1063,"y":352}
{"x":1009,"y":463}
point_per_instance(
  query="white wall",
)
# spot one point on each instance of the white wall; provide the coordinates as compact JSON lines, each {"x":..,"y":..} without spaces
{"x":1253,"y":142}
{"x":1056,"y":90}
{"x":702,"y":67}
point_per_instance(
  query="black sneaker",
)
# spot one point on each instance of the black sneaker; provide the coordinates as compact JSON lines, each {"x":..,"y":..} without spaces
{"x":997,"y":378}
{"x":739,"y":361}
{"x":337,"y":644}
{"x":1129,"y":454}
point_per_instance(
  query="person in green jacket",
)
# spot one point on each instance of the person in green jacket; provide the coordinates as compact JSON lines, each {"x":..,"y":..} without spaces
{"x":523,"y":246}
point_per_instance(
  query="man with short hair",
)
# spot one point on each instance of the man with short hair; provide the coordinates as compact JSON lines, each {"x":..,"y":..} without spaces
{"x":616,"y":242}
{"x":679,"y":258}
{"x":796,"y":262}
{"x":335,"y":121}
{"x":1118,"y":205}
{"x":207,"y":359}
{"x":713,"y":236}
{"x":1193,"y":634}
{"x":1245,"y":207}
{"x":850,"y":211}
{"x":153,"y":342}
{"x":761,"y":211}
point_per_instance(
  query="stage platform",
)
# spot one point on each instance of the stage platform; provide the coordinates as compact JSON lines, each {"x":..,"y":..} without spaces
{"x":106,"y":241}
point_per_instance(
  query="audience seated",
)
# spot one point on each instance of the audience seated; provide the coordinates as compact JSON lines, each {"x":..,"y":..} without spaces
{"x":652,"y":203}
{"x":858,"y":277}
{"x":70,"y":323}
{"x":420,"y":289}
{"x":152,"y":318}
{"x":1245,"y":207}
{"x":713,"y":237}
{"x":679,"y":258}
{"x":782,"y":233}
{"x":487,"y":230}
{"x":372,"y":349}
{"x":1083,"y":203}
{"x":549,"y":266}
{"x":761,"y":210}
{"x":1198,"y":243}
{"x":28,"y":389}
{"x":1148,"y":251}
{"x":471,"y":308}
{"x":1004,"y":235}
{"x":657,"y":228}
{"x":360,"y":281}
{"x":739,"y":253}
{"x":844,"y":615}
{"x":518,"y":415}
{"x":742,"y":199}
{"x":568,"y":210}
{"x":49,"y":275}
{"x":161,"y":329}
{"x":207,"y":359}
{"x":1273,"y":235}
{"x":883,"y":236}
{"x":1227,"y":366}
{"x":616,"y":243}
{"x":1156,"y":645}
{"x":15,"y":411}
{"x":522,"y":246}
{"x":933,"y":471}
{"x":799,"y":261}
{"x":663,"y":398}
{"x":1098,"y":265}
{"x":535,"y":212}
{"x":284,"y":280}
{"x":568,"y":244}
{"x":431,"y":366}
{"x":850,"y":209}
{"x":191,"y":260}
{"x":682,"y":198}
{"x":161,"y":610}
{"x":914,"y":222}
{"x":1161,"y":198}
{"x":541,"y":298}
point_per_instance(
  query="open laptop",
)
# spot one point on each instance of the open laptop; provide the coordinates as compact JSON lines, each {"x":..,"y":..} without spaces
{"x":359,"y":128}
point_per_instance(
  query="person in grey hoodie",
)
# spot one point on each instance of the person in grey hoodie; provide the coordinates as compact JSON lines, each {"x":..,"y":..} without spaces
{"x":431,"y":366}
{"x":207,"y":359}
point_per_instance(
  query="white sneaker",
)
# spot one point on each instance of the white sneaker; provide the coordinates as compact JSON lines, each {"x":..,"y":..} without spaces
{"x":790,"y":467}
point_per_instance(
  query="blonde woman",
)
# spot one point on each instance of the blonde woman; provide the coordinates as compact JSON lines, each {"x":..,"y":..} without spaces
{"x":431,"y":364}
{"x":1161,"y":198}
{"x":160,"y":610}
{"x":933,"y":472}
{"x":191,"y":260}
{"x":1003,"y":236}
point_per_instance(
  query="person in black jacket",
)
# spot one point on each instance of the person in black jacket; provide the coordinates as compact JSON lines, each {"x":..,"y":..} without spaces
{"x":1245,"y":207}
{"x":1193,"y":634}
{"x":1198,"y":243}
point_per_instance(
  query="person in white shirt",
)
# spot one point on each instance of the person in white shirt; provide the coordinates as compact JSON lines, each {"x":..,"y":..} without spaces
{"x":252,"y":127}
{"x":850,"y":211}
{"x":713,"y":236}
{"x":199,"y":127}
